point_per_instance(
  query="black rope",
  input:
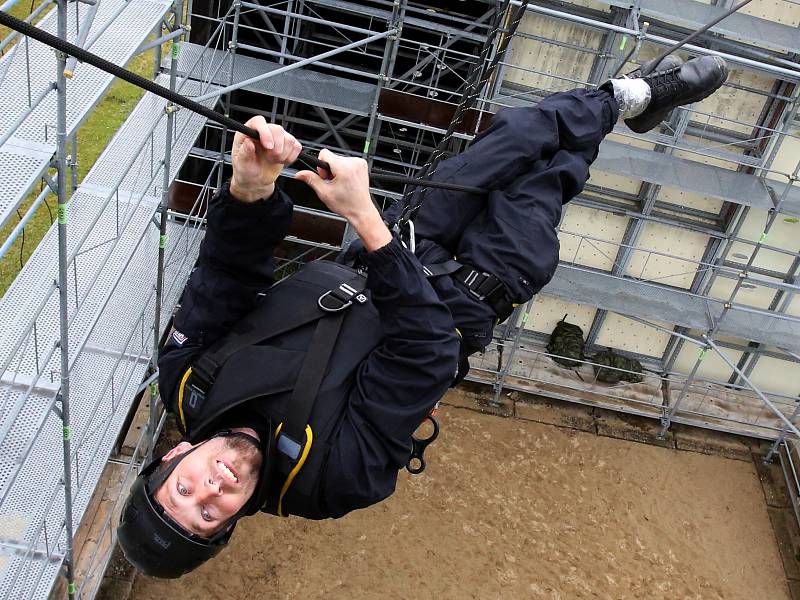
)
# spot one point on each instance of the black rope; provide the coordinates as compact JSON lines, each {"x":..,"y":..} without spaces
{"x":90,"y":58}
{"x":648,"y":68}
{"x":472,"y":86}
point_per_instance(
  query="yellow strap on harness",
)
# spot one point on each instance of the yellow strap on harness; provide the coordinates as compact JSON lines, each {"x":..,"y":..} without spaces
{"x":180,"y":396}
{"x":287,"y":484}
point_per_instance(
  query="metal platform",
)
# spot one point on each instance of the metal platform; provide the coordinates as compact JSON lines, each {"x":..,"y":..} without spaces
{"x":693,"y":15}
{"x":111,"y":303}
{"x":669,"y":305}
{"x":668,"y":170}
{"x":300,"y":85}
{"x":30,"y":73}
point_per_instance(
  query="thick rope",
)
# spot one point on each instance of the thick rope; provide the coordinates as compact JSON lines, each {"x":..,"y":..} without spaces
{"x":471,"y":90}
{"x":471,"y":93}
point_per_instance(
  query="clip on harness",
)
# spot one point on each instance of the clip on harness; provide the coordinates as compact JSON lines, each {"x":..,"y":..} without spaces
{"x":484,"y":286}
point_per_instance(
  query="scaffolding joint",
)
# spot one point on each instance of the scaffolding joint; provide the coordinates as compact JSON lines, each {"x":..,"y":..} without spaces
{"x":171,"y":109}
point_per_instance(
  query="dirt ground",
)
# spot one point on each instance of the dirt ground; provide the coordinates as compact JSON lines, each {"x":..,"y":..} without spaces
{"x":515,"y":509}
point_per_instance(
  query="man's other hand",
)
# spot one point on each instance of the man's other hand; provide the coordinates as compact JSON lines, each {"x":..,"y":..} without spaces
{"x":257,"y":163}
{"x":347,"y":194}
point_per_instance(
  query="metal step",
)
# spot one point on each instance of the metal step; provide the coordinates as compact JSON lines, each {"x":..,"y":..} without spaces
{"x":111,"y":307}
{"x":300,"y":85}
{"x":29,"y":73}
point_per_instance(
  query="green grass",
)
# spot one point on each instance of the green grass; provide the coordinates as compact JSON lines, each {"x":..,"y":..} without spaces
{"x":93,"y":135}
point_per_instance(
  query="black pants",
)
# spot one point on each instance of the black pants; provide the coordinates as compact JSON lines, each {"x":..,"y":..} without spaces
{"x":534,"y":160}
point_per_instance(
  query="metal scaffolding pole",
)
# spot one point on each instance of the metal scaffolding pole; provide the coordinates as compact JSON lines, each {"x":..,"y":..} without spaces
{"x":501,"y":376}
{"x":708,"y":337}
{"x":63,"y":295}
{"x":226,"y":101}
{"x":297,"y":65}
{"x":162,"y":225}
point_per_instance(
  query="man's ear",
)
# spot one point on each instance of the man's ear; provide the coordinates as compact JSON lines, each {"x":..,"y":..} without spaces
{"x":181,"y":448}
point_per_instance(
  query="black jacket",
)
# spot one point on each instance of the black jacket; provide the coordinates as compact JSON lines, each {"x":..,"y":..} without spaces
{"x":393,"y":388}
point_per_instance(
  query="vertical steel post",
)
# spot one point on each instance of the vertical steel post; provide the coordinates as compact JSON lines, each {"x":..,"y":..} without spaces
{"x":63,"y":294}
{"x":226,"y":103}
{"x":72,"y":161}
{"x":500,"y":378}
{"x":162,"y":213}
{"x":157,"y":52}
{"x":387,"y":69}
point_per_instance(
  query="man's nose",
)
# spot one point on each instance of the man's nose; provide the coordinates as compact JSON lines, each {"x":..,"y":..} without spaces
{"x":213,"y":487}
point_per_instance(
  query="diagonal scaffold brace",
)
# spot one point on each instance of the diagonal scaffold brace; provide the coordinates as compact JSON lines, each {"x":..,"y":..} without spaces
{"x":87,"y":57}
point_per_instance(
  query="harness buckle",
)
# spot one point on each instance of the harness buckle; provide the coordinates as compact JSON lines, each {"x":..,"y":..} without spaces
{"x":481,"y":284}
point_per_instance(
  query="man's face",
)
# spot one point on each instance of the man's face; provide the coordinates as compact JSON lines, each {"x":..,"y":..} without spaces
{"x":211,"y":484}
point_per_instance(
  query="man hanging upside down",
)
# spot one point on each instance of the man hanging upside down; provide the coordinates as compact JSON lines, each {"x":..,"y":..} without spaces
{"x":302,"y":397}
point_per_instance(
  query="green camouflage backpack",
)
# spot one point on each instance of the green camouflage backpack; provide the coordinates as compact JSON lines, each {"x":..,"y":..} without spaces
{"x":609,"y":358}
{"x":566,"y":342}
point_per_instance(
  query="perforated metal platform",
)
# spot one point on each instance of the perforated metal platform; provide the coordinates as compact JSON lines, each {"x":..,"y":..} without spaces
{"x":665,"y":169}
{"x":301,"y":85}
{"x":29,"y":73}
{"x":668,"y":305}
{"x":111,"y":305}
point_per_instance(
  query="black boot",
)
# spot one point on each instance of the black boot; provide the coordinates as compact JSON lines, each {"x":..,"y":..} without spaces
{"x":691,"y":82}
{"x":671,"y":61}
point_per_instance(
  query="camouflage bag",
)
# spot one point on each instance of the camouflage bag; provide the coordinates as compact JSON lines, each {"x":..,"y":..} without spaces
{"x":566,"y":342}
{"x":609,"y":358}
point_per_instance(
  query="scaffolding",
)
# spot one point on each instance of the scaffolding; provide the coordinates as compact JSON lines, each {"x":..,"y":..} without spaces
{"x":378,"y":79}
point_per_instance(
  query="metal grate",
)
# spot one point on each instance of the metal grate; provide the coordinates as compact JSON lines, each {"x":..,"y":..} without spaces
{"x":693,"y":14}
{"x":31,"y":69}
{"x":111,"y":303}
{"x":300,"y":85}
{"x":663,"y":304}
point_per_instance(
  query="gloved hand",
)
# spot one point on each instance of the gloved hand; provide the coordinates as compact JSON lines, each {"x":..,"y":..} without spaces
{"x":257,"y":163}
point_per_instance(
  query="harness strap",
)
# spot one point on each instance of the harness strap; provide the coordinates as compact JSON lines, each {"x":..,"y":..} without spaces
{"x":484,"y":286}
{"x":293,"y":433}
{"x":251,"y":330}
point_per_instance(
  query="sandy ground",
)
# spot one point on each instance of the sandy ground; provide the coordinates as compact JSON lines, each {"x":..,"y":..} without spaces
{"x":515,"y":509}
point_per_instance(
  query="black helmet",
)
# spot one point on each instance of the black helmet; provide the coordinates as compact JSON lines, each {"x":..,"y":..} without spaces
{"x":155,"y":543}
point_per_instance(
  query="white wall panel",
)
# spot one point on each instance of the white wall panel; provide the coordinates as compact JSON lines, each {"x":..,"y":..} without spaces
{"x":548,"y":311}
{"x":675,"y":272}
{"x":713,"y":367}
{"x":787,"y":157}
{"x":780,"y":11}
{"x":549,"y":58}
{"x":597,"y":224}
{"x":776,"y":375}
{"x":794,"y":307}
{"x":625,"y":334}
{"x":759,"y":297}
{"x":782,"y":235}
